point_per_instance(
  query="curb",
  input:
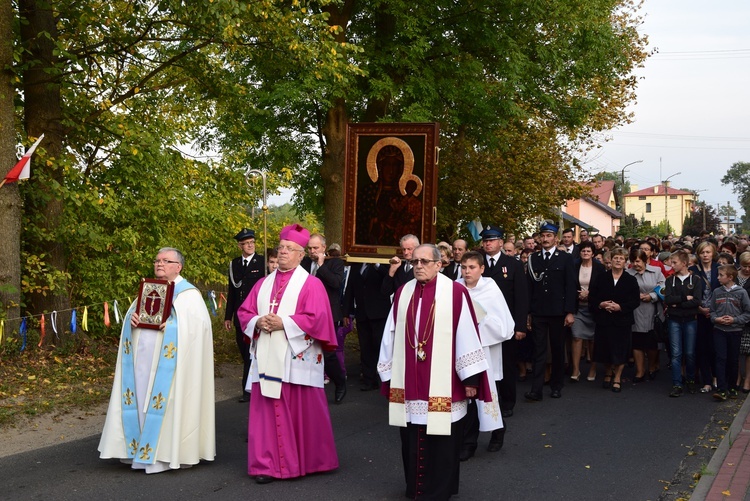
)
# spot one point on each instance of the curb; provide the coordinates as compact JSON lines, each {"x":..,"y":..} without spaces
{"x":716,"y":464}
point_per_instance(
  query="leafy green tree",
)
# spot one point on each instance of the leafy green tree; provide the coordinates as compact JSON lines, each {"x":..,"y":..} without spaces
{"x":488,"y":71}
{"x":738,"y":176}
{"x":119,"y":88}
{"x":702,"y":217}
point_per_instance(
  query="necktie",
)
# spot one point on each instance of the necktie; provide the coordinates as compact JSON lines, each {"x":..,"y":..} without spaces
{"x":363,"y":270}
{"x":314,"y":270}
{"x":546,"y":256}
{"x":244,"y":263}
{"x":457,"y":271}
{"x":407,"y":268}
{"x":492,"y":263}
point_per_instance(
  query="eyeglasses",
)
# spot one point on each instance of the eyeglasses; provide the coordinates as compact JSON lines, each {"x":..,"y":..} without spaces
{"x":423,"y":262}
{"x":165,"y":261}
{"x":288,"y":248}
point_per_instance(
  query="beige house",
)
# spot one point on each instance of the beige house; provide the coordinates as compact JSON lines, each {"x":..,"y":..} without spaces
{"x":599,"y":210}
{"x":660,"y":202}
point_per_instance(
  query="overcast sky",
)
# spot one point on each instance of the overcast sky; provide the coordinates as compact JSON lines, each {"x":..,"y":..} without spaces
{"x":693,"y":109}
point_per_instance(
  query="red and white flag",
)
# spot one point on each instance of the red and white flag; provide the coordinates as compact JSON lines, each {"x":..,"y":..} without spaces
{"x":22,"y":169}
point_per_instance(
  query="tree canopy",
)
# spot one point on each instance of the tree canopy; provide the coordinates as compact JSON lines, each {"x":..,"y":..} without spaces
{"x":153,"y":111}
{"x":738,"y":176}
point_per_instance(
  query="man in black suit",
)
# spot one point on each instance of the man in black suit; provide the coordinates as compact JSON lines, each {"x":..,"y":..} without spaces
{"x":370,"y":308}
{"x":553,"y":300}
{"x":244,"y":272}
{"x":508,"y":273}
{"x":330,"y":271}
{"x":400,"y":270}
{"x":453,"y":270}
{"x":568,"y":240}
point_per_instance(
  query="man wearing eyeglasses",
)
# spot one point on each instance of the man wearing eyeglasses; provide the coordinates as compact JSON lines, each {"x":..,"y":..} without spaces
{"x":161,"y":412}
{"x":400,"y":270}
{"x":432,"y":360}
{"x":244,"y":272}
{"x":288,"y":318}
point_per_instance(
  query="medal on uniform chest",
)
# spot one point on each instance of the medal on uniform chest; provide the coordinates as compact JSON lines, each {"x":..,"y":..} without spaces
{"x":505,"y":272}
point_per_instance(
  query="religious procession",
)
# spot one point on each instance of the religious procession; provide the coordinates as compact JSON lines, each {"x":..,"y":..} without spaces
{"x":141,"y":140}
{"x":446,"y":334}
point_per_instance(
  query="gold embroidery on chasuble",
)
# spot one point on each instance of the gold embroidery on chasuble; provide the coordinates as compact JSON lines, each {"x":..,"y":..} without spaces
{"x":439,"y":404}
{"x":492,"y":410}
{"x":397,"y":395}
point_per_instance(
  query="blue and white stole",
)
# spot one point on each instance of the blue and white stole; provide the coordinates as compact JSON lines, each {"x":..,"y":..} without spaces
{"x":142,"y":443}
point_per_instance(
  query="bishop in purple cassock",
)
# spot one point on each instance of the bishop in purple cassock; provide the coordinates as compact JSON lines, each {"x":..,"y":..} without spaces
{"x":288,"y":319}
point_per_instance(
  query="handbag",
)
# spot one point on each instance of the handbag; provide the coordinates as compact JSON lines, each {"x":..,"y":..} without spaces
{"x":660,"y":326}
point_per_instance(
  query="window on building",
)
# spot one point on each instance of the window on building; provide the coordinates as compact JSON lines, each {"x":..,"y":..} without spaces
{"x":648,"y":207}
{"x":673,"y":197}
{"x":642,"y":197}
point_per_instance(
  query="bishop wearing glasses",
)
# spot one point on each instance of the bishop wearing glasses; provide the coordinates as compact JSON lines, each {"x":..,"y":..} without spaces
{"x":431,"y":362}
{"x":288,"y":319}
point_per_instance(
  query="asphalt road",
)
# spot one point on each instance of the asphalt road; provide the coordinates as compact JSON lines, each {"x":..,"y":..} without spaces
{"x":591,"y":444}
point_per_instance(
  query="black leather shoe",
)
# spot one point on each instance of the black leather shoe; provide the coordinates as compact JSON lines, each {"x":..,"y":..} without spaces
{"x":506,"y":413}
{"x":340,"y":393}
{"x":497,"y":440}
{"x":264,"y":479}
{"x":555,"y":394}
{"x":532,"y":397}
{"x":244,"y":398}
{"x":466,"y":454}
{"x":368,"y":386}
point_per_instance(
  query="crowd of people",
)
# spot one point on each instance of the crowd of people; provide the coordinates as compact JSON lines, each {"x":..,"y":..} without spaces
{"x":445,"y":333}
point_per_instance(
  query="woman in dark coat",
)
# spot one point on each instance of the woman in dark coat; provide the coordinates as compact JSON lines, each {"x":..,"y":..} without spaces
{"x":587,"y":269}
{"x":613,"y":297}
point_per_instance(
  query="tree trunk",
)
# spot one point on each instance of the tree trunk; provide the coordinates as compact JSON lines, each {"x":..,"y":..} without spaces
{"x":332,"y":171}
{"x":43,"y":114}
{"x":334,"y":150}
{"x":10,"y":200}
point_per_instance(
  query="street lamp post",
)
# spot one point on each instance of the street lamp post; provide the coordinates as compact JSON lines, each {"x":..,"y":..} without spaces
{"x":666,"y":198}
{"x":622,"y":174}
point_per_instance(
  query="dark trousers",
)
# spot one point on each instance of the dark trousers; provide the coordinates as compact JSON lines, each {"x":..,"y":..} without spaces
{"x":727,"y":351}
{"x":431,"y":465}
{"x":244,"y":349}
{"x":506,"y":387}
{"x":550,"y":328}
{"x":370,"y":333}
{"x":333,"y":367}
{"x":704,"y":350}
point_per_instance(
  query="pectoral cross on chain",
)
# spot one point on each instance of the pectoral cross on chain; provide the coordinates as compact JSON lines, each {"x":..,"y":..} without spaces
{"x":274,"y":304}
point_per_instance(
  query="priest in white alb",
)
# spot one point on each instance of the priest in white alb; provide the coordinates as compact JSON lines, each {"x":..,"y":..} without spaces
{"x":161,"y":412}
{"x":432,"y":359}
{"x":288,"y":318}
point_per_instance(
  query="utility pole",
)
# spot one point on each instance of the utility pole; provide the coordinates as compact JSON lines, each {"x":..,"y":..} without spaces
{"x":666,"y":197}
